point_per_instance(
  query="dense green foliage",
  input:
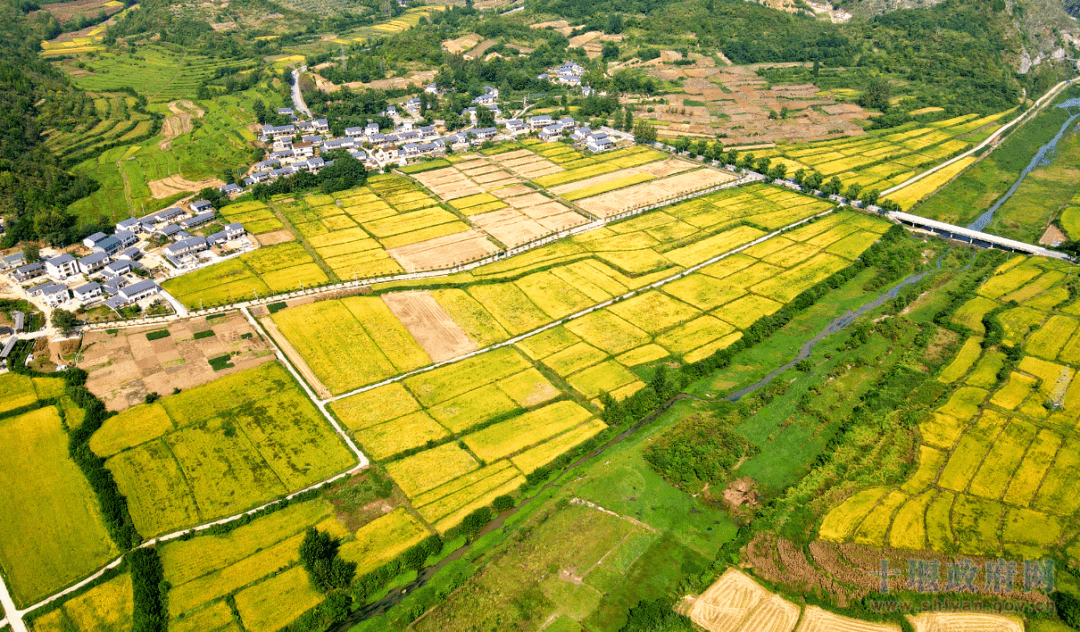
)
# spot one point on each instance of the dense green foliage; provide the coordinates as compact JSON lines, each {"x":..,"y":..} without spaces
{"x":33,"y":186}
{"x":699,"y":450}
{"x":319,"y":557}
{"x":655,"y":616}
{"x":149,"y":591}
{"x":346,"y":172}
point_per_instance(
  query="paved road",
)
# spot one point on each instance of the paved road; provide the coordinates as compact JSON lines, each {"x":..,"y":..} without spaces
{"x":298,"y":96}
{"x":1034,"y":109}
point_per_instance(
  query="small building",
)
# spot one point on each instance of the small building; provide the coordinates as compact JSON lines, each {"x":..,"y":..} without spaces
{"x":551,"y":133}
{"x":54,"y":294}
{"x":93,"y":239}
{"x":9,"y":346}
{"x":113,"y":285}
{"x":484,"y":133}
{"x":371,"y":129}
{"x":539,"y":122}
{"x":581,"y":133}
{"x":432,"y":88}
{"x":29,"y":271}
{"x":88,"y":292}
{"x":12,"y":261}
{"x":201,"y":206}
{"x":20,"y":321}
{"x":108,"y":246}
{"x":184,"y":247}
{"x":93,"y":262}
{"x":138,"y":291}
{"x":515,"y":126}
{"x":285,"y":111}
{"x":198,"y":220}
{"x":170,"y":232}
{"x":121,"y":267}
{"x":597,"y":144}
{"x":321,"y":125}
{"x":131,"y":254}
{"x":231,"y":190}
{"x":126,"y":238}
{"x":61,"y":267}
{"x":130,"y":224}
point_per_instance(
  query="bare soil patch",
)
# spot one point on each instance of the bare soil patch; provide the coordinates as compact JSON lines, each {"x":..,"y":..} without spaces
{"x":509,"y":226}
{"x":1053,"y":236}
{"x":815,"y":619}
{"x":430,"y":325}
{"x":414,"y":78}
{"x":124,"y":367}
{"x":174,"y":184}
{"x":442,"y":252}
{"x":180,"y":122}
{"x":964,"y":622}
{"x":66,"y":11}
{"x":275,"y":237}
{"x":638,"y":195}
{"x":736,"y":603}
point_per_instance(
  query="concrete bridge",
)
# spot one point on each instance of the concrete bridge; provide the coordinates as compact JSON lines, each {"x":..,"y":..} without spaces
{"x":974,"y":237}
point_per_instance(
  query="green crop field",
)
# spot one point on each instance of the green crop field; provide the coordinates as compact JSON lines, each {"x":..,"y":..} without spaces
{"x":53,"y":533}
{"x":1001,"y":455}
{"x":221,"y":140}
{"x":233,"y":443}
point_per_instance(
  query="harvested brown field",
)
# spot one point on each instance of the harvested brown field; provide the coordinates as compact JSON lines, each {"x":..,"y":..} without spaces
{"x":660,"y":169}
{"x":448,"y":183}
{"x":125,"y":367}
{"x":443,"y":252}
{"x":180,"y":122}
{"x":965,"y":622}
{"x":562,"y":26}
{"x":176,"y":184}
{"x":526,"y":164}
{"x":434,"y":330}
{"x":66,"y":11}
{"x":817,"y":620}
{"x":638,"y":195}
{"x":461,"y":44}
{"x":414,"y":78}
{"x":275,"y":237}
{"x":725,"y":604}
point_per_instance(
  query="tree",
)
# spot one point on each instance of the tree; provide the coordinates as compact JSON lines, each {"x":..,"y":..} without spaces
{"x":877,"y":95}
{"x":778,"y":171}
{"x":31,"y":253}
{"x":64,"y":320}
{"x":319,"y":557}
{"x":614,"y":24}
{"x":617,"y":120}
{"x":832,"y":187}
{"x":870,"y":198}
{"x":748,"y":160}
{"x":733,"y":157}
{"x":813,"y":181}
{"x":853,"y":191}
{"x":628,"y":120}
{"x":702,"y":148}
{"x":784,"y":112}
{"x":644,"y":133}
{"x":484,"y":117}
{"x":763,"y":164}
{"x":609,"y":51}
{"x":800,"y":176}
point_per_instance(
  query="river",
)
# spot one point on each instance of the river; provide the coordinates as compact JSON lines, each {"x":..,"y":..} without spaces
{"x":1044,"y":156}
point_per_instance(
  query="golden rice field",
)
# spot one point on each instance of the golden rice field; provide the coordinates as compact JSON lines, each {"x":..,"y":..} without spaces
{"x":53,"y":532}
{"x":218,"y":449}
{"x":883,"y":159}
{"x":998,"y":464}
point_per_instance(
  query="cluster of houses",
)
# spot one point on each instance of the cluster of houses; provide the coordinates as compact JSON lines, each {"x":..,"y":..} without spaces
{"x":368,"y":144}
{"x":112,"y":271}
{"x":569,"y":73}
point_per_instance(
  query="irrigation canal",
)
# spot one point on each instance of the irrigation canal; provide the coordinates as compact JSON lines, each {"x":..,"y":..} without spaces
{"x":838,"y":324}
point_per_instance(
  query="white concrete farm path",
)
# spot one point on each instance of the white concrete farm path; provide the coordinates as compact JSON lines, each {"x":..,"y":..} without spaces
{"x":427,"y":274}
{"x":589,"y":310}
{"x":15,"y":616}
{"x":1027,"y":114}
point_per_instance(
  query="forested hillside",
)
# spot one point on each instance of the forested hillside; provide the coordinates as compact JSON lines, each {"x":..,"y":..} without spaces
{"x":34,"y":189}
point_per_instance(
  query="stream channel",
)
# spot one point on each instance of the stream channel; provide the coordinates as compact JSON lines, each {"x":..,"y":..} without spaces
{"x":838,"y":324}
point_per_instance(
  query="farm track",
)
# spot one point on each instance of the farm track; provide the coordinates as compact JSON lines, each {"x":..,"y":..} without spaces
{"x":14,"y":615}
{"x":1024,"y":117}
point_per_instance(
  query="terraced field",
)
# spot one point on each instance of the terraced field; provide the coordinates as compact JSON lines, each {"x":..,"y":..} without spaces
{"x":883,"y":159}
{"x":997,"y":466}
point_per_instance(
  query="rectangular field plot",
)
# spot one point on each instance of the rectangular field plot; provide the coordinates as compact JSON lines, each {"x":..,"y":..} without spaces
{"x":344,"y":351}
{"x":383,"y":539}
{"x":239,"y":441}
{"x":52,"y":532}
{"x":510,"y":436}
{"x":446,"y":505}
